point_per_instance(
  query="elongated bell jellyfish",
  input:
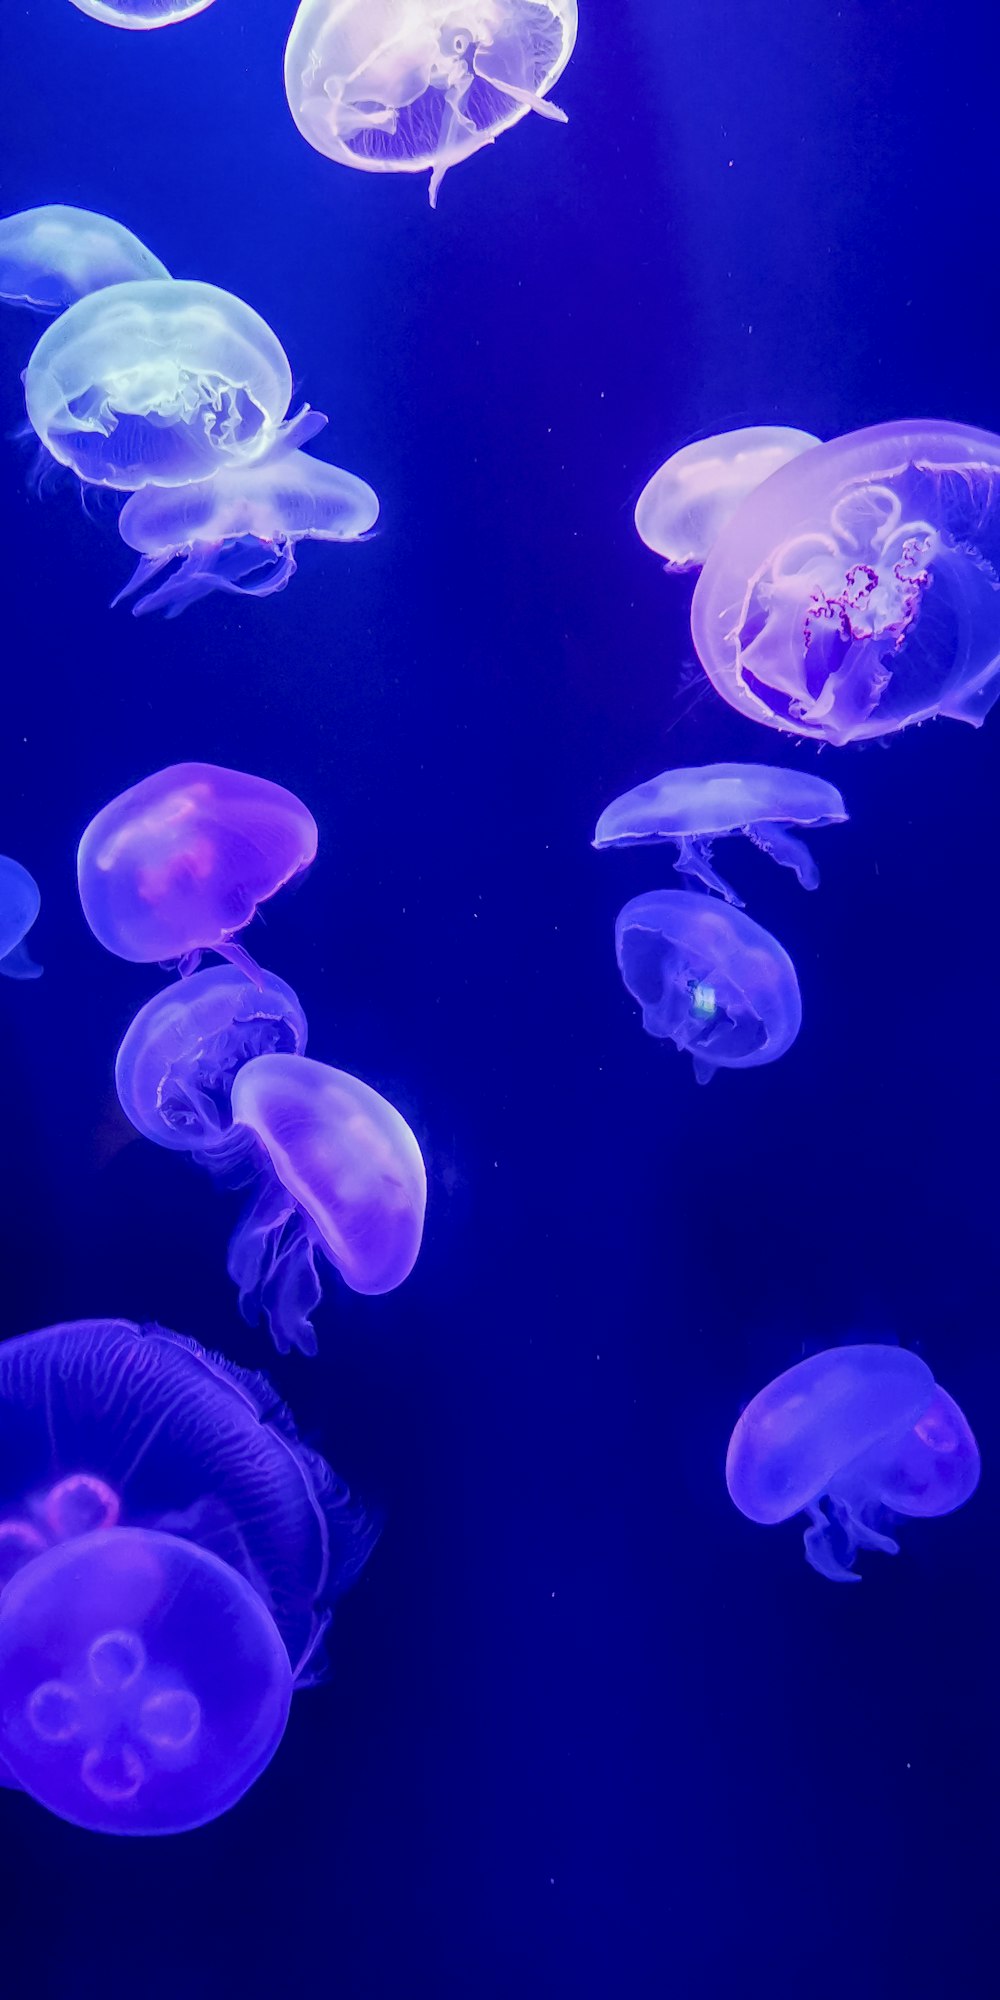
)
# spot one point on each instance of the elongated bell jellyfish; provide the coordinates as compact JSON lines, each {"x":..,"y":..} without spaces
{"x":19,"y":906}
{"x":415,"y":86}
{"x":340,"y":1175}
{"x":180,"y":862}
{"x":157,"y":383}
{"x":858,"y":589}
{"x":851,"y":1437}
{"x":683,"y":508}
{"x":238,"y":531}
{"x":141,"y":13}
{"x":694,"y":808}
{"x":52,"y":256}
{"x":169,"y":1554}
{"x":175,"y":1067}
{"x":708,"y":979}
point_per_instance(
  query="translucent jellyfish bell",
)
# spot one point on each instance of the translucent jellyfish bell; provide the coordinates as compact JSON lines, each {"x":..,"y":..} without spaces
{"x":340,"y":1173}
{"x":157,"y":383}
{"x":52,"y":256}
{"x":141,"y":13}
{"x":237,"y":531}
{"x":858,"y":589}
{"x":851,"y":1437}
{"x":180,"y":862}
{"x":696,"y":807}
{"x":414,"y":86}
{"x":684,"y":506}
{"x":708,"y":979}
{"x":175,"y":1068}
{"x":19,"y":906}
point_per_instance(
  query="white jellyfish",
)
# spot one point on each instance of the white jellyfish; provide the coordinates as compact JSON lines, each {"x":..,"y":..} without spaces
{"x":52,"y":256}
{"x":683,"y":508}
{"x":141,"y":13}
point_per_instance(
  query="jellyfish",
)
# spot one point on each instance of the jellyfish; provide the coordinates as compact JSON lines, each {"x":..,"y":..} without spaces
{"x":708,"y":979}
{"x":141,"y":13}
{"x":851,"y":1437}
{"x":179,"y":863}
{"x":414,"y":86}
{"x":19,"y":906}
{"x":339,"y":1174}
{"x":858,"y":589}
{"x":50,"y":257}
{"x":175,"y":1067}
{"x":683,"y":507}
{"x":157,"y":382}
{"x":237,"y":531}
{"x":696,"y":807}
{"x":169,"y":1557}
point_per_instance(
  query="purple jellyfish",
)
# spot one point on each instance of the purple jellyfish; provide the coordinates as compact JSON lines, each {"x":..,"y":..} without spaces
{"x":708,"y":979}
{"x":19,"y":906}
{"x":683,"y":508}
{"x":180,"y":862}
{"x":696,"y":807}
{"x":851,"y":1437}
{"x":169,"y":1552}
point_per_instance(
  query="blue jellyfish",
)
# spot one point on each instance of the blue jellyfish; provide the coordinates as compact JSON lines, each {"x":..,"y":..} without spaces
{"x":708,"y":979}
{"x":684,"y":506}
{"x":141,"y":13}
{"x":19,"y":906}
{"x":50,"y":257}
{"x":175,"y":1067}
{"x":696,"y":807}
{"x":180,"y":862}
{"x":169,"y":1554}
{"x":851,"y":1437}
{"x":857,"y":589}
{"x":414,"y":86}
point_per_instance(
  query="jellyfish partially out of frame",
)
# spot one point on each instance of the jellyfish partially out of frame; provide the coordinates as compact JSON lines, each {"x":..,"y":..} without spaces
{"x":339,"y":1176}
{"x":696,"y":807}
{"x":175,"y":1067}
{"x":415,"y":86}
{"x":141,"y":13}
{"x":684,"y":506}
{"x":157,"y":383}
{"x":179,"y":863}
{"x":708,"y":979}
{"x":238,"y":531}
{"x":169,"y":1556}
{"x":52,"y":256}
{"x":857,"y":589}
{"x":19,"y":906}
{"x":851,"y":1437}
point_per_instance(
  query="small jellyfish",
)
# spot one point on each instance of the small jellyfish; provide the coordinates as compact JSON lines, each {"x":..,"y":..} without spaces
{"x":696,"y":807}
{"x":708,"y":979}
{"x":141,"y":13}
{"x":414,"y":86}
{"x":237,"y":531}
{"x":858,"y":589}
{"x":339,"y":1173}
{"x":175,"y":1068}
{"x":19,"y":906}
{"x":683,"y":507}
{"x":169,"y":1555}
{"x":179,"y":863}
{"x":851,"y":1437}
{"x":50,"y":257}
{"x":157,"y":383}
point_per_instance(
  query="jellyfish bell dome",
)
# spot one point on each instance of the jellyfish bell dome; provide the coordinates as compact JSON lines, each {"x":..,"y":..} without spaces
{"x":686,"y":503}
{"x":857,"y":590}
{"x":141,"y":13}
{"x":709,"y":979}
{"x":52,"y":256}
{"x":415,"y":86}
{"x":157,"y":383}
{"x":20,"y":903}
{"x":696,"y":806}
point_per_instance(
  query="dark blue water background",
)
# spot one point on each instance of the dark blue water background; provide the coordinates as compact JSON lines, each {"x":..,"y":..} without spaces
{"x":589,"y":1731}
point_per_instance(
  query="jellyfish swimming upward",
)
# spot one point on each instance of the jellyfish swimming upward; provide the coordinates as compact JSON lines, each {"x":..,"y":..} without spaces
{"x":684,"y":506}
{"x":415,"y":86}
{"x":708,"y":979}
{"x":50,"y":257}
{"x":694,"y":808}
{"x":169,"y":1554}
{"x":179,"y":864}
{"x":851,"y":1437}
{"x":19,"y":906}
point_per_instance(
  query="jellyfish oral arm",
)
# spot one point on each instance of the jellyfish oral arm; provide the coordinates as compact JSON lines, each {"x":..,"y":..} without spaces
{"x":786,"y":849}
{"x":845,"y":1530}
{"x":694,"y":859}
{"x":272,"y":1262}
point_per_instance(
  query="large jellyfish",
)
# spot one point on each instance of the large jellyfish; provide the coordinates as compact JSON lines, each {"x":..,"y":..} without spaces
{"x":169,"y":1552}
{"x":851,"y":1437}
{"x":339,"y":1173}
{"x":858,"y":589}
{"x":696,"y":807}
{"x":19,"y":906}
{"x":413,"y":86}
{"x":141,"y":13}
{"x":157,"y":383}
{"x":50,"y":257}
{"x":687,"y":502}
{"x":237,"y":531}
{"x":179,"y":863}
{"x":175,"y":1068}
{"x":708,"y":979}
